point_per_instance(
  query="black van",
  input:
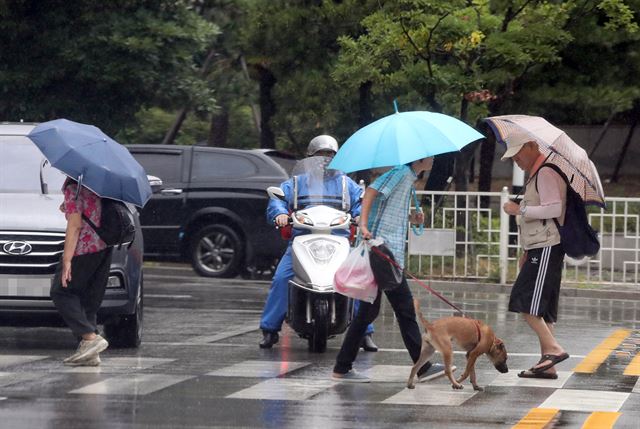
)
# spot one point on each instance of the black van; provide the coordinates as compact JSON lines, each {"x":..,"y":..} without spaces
{"x":211,"y":209}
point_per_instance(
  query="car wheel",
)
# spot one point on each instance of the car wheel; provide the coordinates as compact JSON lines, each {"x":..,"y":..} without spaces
{"x":216,"y":251}
{"x":126,"y":331}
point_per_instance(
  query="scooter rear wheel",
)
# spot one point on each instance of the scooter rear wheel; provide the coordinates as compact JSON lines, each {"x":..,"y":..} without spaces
{"x":320,"y":330}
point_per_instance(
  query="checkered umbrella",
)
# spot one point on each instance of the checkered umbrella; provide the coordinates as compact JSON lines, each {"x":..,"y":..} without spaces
{"x":560,"y":149}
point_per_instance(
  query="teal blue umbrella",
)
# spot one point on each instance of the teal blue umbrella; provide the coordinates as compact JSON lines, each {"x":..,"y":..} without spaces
{"x":86,"y":154}
{"x":401,"y":138}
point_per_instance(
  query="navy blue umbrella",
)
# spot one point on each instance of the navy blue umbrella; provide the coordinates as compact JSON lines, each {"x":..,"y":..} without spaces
{"x":83,"y":152}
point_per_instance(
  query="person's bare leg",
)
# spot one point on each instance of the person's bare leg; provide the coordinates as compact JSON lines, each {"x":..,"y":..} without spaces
{"x":548,"y":343}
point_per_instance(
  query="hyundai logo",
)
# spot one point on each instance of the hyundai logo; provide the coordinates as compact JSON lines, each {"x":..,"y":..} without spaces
{"x":17,"y":248}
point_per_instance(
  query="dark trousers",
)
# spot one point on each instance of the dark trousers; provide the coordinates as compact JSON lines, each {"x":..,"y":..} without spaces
{"x":79,"y":302}
{"x":401,"y":301}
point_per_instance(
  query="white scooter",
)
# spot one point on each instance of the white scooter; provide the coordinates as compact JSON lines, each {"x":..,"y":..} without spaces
{"x":316,"y":312}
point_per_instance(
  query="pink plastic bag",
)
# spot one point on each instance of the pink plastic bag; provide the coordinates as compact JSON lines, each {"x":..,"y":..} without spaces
{"x":354,"y":278}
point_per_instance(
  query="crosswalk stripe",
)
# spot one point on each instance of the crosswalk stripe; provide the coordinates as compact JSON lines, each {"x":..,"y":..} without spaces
{"x":601,"y":420}
{"x":537,"y":418}
{"x":634,"y":366}
{"x":602,"y":351}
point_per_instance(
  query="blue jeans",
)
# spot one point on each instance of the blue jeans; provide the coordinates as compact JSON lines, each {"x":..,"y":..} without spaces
{"x":275,"y":308}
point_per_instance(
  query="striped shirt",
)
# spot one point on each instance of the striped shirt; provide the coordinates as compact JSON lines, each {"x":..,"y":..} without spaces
{"x":389,"y":217}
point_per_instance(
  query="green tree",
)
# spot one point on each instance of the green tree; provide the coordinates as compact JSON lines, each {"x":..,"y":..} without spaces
{"x":100,"y":62}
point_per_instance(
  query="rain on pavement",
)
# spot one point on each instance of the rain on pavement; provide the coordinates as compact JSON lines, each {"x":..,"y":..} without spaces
{"x":200,"y":366}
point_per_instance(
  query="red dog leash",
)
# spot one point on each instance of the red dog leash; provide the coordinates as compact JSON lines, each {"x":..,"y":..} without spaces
{"x":421,"y":283}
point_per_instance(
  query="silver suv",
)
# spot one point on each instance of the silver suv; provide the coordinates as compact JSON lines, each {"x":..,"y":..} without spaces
{"x":32,"y":230}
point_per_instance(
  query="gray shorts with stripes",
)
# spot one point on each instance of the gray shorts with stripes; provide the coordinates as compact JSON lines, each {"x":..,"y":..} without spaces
{"x":537,"y":288}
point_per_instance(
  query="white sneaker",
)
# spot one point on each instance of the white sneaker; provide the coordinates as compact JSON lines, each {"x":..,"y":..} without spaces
{"x":87,"y":349}
{"x":435,"y":370}
{"x":351,"y":377}
{"x":93,"y":360}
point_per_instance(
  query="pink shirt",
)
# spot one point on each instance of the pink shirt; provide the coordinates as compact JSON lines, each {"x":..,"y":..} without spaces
{"x":88,"y":204}
{"x":550,"y":189}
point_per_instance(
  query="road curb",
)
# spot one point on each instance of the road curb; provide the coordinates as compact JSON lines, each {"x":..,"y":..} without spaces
{"x":622,"y":293}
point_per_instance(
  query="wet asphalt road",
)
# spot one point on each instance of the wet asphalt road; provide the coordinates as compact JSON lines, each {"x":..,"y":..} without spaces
{"x":200,"y":366}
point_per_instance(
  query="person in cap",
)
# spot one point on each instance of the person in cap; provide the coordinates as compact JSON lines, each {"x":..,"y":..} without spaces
{"x":536,"y":291}
{"x":275,"y":307}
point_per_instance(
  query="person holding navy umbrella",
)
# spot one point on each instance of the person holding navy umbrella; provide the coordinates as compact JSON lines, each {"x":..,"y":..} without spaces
{"x":97,"y":167}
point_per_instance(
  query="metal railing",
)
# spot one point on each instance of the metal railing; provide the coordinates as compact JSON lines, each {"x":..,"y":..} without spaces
{"x":468,"y":236}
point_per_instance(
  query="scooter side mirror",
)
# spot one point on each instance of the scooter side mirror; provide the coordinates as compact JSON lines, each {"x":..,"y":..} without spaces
{"x":275,"y":192}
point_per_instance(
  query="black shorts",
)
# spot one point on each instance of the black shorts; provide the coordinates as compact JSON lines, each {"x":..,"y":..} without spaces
{"x":537,"y":288}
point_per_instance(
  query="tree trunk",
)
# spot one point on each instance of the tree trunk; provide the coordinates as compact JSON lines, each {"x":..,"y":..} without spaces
{"x":487,"y":153}
{"x":627,"y":142}
{"x":266,"y":81}
{"x":219,"y":129}
{"x":603,"y":131}
{"x":365,"y":117}
{"x":170,"y":137}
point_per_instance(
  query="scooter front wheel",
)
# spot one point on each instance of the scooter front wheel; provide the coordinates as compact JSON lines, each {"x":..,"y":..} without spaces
{"x":320,"y":329}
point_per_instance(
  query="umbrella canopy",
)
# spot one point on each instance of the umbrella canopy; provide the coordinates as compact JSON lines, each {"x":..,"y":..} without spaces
{"x":85,"y":153}
{"x":401,"y":138}
{"x":560,"y":150}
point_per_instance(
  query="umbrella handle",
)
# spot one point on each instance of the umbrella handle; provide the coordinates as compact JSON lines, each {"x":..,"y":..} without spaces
{"x":80,"y":177}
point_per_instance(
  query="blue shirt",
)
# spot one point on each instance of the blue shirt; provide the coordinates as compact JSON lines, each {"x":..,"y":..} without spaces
{"x":389,"y":217}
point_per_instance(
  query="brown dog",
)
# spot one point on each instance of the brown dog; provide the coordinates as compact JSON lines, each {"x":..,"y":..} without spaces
{"x":472,"y":335}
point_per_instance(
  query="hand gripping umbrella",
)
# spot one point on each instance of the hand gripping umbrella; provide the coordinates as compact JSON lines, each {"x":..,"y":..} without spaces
{"x":560,"y":150}
{"x":401,"y":138}
{"x":86,"y":154}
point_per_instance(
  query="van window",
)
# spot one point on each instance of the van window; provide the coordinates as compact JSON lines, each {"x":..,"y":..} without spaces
{"x":166,"y":165}
{"x":209,"y":166}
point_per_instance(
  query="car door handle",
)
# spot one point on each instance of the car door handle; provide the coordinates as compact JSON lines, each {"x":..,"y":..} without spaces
{"x":171,"y":191}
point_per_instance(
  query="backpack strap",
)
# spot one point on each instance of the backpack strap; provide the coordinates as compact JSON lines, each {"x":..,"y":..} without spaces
{"x":562,"y":175}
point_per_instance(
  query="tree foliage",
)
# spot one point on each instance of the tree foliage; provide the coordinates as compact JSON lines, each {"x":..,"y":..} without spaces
{"x":99,"y":62}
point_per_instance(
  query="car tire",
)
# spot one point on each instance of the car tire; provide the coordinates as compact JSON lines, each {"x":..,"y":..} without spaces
{"x":126,"y":331}
{"x":216,"y":251}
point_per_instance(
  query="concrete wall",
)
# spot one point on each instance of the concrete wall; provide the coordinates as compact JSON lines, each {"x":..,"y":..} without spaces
{"x":605,"y":157}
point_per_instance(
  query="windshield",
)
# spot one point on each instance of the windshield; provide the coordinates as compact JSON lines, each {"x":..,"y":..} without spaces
{"x":318,"y":185}
{"x":21,"y":166}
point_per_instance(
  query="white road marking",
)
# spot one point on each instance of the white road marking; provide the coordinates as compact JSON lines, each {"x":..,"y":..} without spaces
{"x":585,"y":400}
{"x":511,"y":379}
{"x":132,"y":384}
{"x":636,"y":388}
{"x":430,"y":394}
{"x":9,"y":378}
{"x":119,"y":365}
{"x":257,"y":368}
{"x":284,"y":389}
{"x":151,"y":295}
{"x":253,"y":326}
{"x":10,"y":360}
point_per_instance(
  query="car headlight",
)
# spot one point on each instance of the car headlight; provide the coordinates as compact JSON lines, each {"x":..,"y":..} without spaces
{"x":302,"y":218}
{"x":321,"y":251}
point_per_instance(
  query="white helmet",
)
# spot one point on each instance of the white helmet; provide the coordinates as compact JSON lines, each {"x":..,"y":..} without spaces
{"x":322,"y":142}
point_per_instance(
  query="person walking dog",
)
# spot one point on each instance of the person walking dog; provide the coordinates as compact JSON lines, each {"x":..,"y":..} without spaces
{"x":385,"y":210}
{"x":80,"y":280}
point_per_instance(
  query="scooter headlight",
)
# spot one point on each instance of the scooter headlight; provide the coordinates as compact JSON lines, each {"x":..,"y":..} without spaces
{"x":303,"y":218}
{"x":340,"y":220}
{"x":321,"y":251}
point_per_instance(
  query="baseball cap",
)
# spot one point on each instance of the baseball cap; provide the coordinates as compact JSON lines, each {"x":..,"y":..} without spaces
{"x":514,"y":143}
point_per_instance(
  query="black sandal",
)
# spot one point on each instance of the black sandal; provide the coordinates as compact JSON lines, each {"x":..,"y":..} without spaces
{"x":555,"y":359}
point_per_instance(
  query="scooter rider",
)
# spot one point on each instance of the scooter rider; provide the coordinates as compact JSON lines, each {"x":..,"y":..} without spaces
{"x":275,"y":307}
